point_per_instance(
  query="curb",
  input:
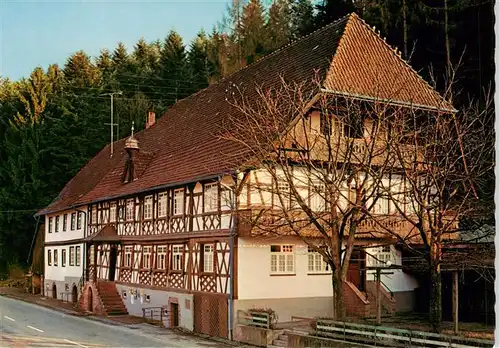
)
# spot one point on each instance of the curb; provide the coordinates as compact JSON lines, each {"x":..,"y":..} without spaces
{"x":41,"y":304}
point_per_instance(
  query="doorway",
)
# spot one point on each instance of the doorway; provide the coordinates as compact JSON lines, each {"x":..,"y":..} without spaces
{"x":174,"y":314}
{"x":113,"y":255}
{"x":89,"y":300}
{"x":356,"y":273}
{"x":74,"y":294}
{"x":54,"y":291}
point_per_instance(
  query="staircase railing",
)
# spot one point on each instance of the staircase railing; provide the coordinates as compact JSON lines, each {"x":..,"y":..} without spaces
{"x":387,"y":288}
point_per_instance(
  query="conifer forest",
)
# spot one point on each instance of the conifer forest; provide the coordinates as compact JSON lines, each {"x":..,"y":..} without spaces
{"x":54,"y":121}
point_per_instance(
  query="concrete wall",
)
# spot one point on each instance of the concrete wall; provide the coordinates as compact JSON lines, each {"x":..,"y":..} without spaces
{"x":64,"y":288}
{"x":136,"y":299}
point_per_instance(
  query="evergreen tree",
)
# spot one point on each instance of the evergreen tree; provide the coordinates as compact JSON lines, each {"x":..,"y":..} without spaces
{"x":278,"y":25}
{"x":302,"y":18}
{"x":199,"y":63}
{"x":253,"y":33}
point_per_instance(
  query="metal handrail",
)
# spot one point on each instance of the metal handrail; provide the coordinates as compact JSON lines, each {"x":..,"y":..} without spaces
{"x":387,"y":288}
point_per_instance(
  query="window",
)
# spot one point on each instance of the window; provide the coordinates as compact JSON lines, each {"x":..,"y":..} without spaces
{"x":317,"y":197}
{"x":283,"y":193}
{"x":177,"y":262}
{"x":325,"y":121}
{"x":57,"y":224}
{"x":49,"y":257}
{"x":94,"y":215}
{"x":130,"y":210}
{"x":91,"y":254}
{"x":56,"y":257}
{"x":50,"y":225}
{"x":211,"y":197}
{"x":315,"y":262}
{"x":121,"y":212}
{"x":112,"y":212}
{"x":71,"y":256}
{"x":63,"y":257}
{"x":148,"y":208}
{"x":77,"y":256}
{"x":282,"y":259}
{"x":65,"y":222}
{"x":179,"y":202}
{"x":73,"y":221}
{"x":353,"y":128}
{"x":128,"y":256}
{"x":162,"y":205}
{"x":79,"y":220}
{"x":208,"y":258}
{"x":161,"y":252}
{"x":146,"y":257}
{"x":384,"y":255}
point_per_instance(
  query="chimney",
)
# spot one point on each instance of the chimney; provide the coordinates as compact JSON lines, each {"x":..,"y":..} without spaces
{"x":151,"y":119}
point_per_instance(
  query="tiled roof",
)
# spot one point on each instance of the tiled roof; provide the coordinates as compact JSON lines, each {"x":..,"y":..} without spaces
{"x":185,"y":144}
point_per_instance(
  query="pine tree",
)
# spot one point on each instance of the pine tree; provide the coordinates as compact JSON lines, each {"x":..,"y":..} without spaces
{"x":302,"y":18}
{"x":253,"y":33}
{"x":199,"y":63}
{"x":278,"y":26}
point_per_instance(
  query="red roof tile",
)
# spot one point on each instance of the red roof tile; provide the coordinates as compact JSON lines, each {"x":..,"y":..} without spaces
{"x":185,"y":144}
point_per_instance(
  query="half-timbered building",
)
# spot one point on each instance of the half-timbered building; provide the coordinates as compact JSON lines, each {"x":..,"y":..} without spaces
{"x":162,"y":227}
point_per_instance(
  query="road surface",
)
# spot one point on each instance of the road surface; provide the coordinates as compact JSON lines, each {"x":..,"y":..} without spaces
{"x":27,"y":325}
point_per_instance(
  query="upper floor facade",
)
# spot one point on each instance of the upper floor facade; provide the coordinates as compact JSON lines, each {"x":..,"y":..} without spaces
{"x":65,"y":225}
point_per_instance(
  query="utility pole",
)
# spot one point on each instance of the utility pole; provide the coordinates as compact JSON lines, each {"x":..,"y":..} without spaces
{"x":112,"y":124}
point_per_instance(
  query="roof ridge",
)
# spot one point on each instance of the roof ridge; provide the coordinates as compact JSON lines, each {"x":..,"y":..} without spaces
{"x":292,"y":43}
{"x":398,"y":56}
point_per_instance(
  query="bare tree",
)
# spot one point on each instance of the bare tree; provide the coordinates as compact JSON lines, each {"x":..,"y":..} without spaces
{"x":318,"y":163}
{"x":444,"y":160}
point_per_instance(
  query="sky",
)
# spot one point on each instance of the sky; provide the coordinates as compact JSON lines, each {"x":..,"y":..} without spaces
{"x":40,"y":33}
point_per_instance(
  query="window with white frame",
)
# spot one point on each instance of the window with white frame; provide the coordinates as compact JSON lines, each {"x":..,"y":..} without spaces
{"x":211,"y":197}
{"x":63,"y":257}
{"x":179,"y":202}
{"x":50,"y":225}
{"x":56,"y":257}
{"x":71,"y":256}
{"x":94,"y":215}
{"x":127,"y":260}
{"x":129,"y":214}
{"x":208,"y":258}
{"x":283,"y":194}
{"x":315,"y":262}
{"x":317,"y":197}
{"x":57,"y":224}
{"x":146,"y":257}
{"x":73,"y":221}
{"x":49,"y":257}
{"x":162,"y":204}
{"x":112,"y":212}
{"x":65,"y":222}
{"x":383,"y":256}
{"x":148,"y":207}
{"x":79,"y":220}
{"x":77,"y":256}
{"x":177,"y":257}
{"x":161,"y":252}
{"x":282,"y":259}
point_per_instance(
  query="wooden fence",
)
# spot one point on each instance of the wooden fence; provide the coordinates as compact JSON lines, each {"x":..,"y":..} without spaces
{"x":391,"y":337}
{"x":254,"y":318}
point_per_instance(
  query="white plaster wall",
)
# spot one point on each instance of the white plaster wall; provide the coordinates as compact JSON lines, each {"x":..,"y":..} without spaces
{"x":58,"y":272}
{"x":398,"y":280}
{"x":68,"y":234}
{"x":135,"y":301}
{"x":256,"y":282}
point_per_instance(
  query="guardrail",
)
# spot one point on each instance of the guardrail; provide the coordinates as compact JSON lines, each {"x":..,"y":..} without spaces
{"x":391,"y":337}
{"x":155,"y":314}
{"x":254,"y":318}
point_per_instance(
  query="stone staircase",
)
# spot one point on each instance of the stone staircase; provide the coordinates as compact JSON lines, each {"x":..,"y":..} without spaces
{"x":281,"y":341}
{"x":111,"y":300}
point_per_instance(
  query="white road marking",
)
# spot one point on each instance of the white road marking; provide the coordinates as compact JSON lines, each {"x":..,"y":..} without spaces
{"x":9,"y":318}
{"x":76,"y":343}
{"x":34,"y":328}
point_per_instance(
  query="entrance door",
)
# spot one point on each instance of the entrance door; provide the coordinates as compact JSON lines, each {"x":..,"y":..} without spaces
{"x":356,"y":273}
{"x":174,"y":314}
{"x":113,"y":255}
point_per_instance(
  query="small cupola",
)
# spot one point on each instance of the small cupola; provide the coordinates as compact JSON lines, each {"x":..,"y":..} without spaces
{"x":132,"y":148}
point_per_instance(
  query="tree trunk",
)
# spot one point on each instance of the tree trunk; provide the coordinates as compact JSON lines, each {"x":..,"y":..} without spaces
{"x":338,"y":296}
{"x":435,"y":310}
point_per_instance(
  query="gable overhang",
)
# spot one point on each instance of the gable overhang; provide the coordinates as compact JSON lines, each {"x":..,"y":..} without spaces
{"x":389,"y":101}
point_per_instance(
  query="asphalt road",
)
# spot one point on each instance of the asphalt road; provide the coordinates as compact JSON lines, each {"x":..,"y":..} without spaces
{"x":26,"y":325}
